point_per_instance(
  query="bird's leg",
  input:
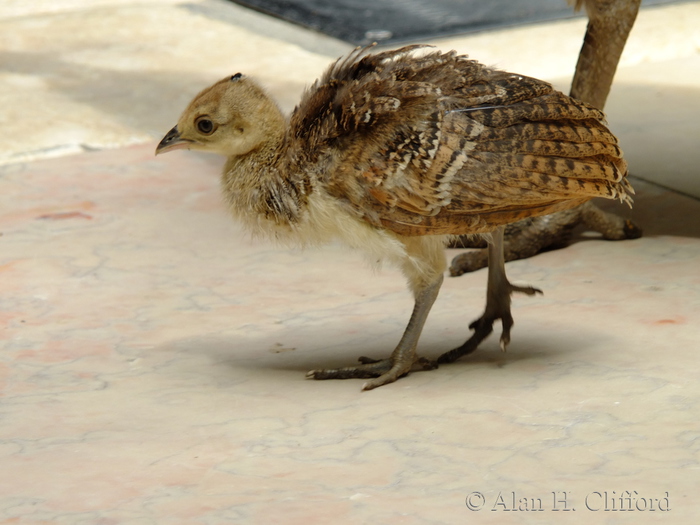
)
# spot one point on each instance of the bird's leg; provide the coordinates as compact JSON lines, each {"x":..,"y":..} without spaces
{"x":612,"y":227}
{"x":402,"y":358}
{"x":609,"y":25}
{"x":522,"y":239}
{"x":498,"y":293}
{"x":533,"y":235}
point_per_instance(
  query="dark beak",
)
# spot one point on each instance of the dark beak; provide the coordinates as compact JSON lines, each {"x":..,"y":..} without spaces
{"x":172,"y":141}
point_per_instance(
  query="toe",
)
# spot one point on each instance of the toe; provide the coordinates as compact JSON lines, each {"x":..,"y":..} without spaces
{"x":631,"y":230}
{"x":384,"y":379}
{"x":528,"y":290}
{"x":368,"y":368}
{"x":507,"y":322}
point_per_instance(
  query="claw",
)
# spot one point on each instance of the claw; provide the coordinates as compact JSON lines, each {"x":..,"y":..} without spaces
{"x":498,"y":294}
{"x":507,"y":323}
{"x":402,"y":359}
{"x":381,"y":371}
{"x":368,"y":368}
{"x":527,"y":290}
{"x":391,"y":376}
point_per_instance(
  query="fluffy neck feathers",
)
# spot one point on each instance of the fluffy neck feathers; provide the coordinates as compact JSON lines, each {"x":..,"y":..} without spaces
{"x":259,"y":187}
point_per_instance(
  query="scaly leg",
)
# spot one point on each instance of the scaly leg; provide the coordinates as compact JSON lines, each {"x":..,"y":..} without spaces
{"x":609,"y":25}
{"x":402,"y":358}
{"x":531,"y":236}
{"x":498,"y":293}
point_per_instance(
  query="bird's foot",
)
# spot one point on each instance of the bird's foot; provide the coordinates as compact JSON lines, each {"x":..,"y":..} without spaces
{"x":528,"y":237}
{"x":497,"y":307}
{"x":502,"y":312}
{"x":402,"y":359}
{"x":381,"y":371}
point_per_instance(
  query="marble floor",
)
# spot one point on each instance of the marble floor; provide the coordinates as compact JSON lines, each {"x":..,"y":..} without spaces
{"x":152,"y":355}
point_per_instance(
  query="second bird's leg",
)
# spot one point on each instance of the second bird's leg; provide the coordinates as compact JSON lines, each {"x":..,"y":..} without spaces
{"x":609,"y":25}
{"x":498,"y":292}
{"x":402,"y":358}
{"x":533,"y":235}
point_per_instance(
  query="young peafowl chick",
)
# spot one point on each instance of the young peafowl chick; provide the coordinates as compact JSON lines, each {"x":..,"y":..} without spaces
{"x":395,"y":153}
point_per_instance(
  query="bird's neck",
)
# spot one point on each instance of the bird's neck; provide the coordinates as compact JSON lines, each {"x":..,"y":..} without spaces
{"x":260,"y":189}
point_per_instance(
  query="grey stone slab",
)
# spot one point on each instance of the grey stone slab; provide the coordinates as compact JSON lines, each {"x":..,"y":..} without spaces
{"x":391,"y":21}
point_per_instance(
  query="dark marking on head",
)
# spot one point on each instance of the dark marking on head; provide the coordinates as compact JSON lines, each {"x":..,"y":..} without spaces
{"x":237,"y":76}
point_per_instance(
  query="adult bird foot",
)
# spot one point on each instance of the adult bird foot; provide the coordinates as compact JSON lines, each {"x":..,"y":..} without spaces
{"x":381,"y":371}
{"x":528,"y":237}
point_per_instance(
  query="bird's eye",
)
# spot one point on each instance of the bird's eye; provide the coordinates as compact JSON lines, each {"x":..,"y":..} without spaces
{"x":205,"y":126}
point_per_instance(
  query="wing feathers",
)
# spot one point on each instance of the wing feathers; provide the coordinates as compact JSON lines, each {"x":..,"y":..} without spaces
{"x":437,"y":143}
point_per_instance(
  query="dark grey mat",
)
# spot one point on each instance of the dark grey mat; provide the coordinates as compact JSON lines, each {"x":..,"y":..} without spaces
{"x":391,"y":21}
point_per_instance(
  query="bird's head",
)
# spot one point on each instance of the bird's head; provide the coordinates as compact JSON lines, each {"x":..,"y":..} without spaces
{"x":232,"y":117}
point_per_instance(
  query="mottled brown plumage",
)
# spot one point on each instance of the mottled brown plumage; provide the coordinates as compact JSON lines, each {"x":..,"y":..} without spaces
{"x":395,"y":152}
{"x":609,"y":25}
{"x":443,"y":145}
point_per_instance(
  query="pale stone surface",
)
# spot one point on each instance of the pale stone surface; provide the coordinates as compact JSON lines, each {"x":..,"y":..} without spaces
{"x":152,"y":356}
{"x":656,"y":114}
{"x":654,"y":105}
{"x":153,"y":359}
{"x":111,"y":75}
{"x":91,"y":75}
{"x":550,"y":50}
{"x":22,"y":8}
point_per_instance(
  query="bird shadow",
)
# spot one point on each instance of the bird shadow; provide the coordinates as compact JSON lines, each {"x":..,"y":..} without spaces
{"x":299,"y":349}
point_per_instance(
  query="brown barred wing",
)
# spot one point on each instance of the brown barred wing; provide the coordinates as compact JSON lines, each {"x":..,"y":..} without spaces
{"x":501,"y":163}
